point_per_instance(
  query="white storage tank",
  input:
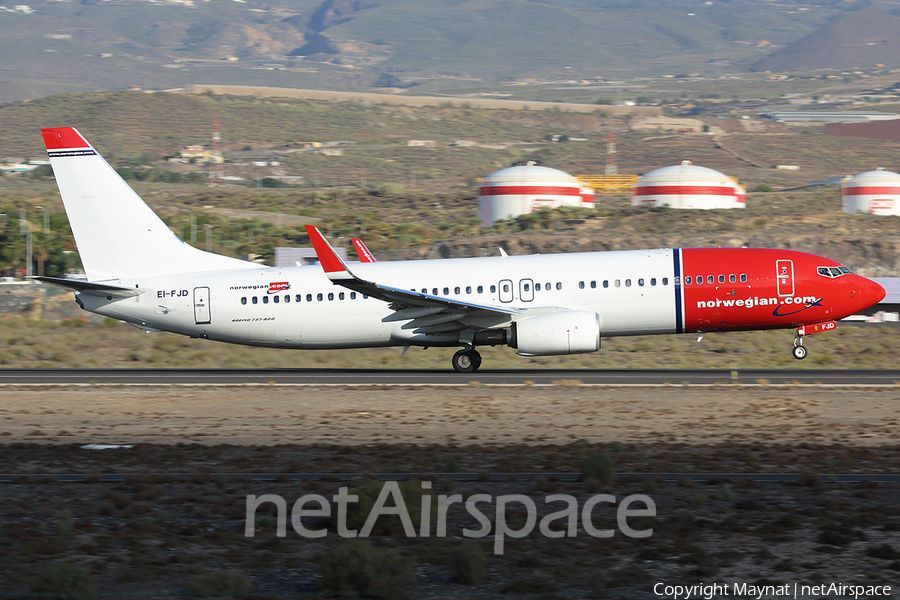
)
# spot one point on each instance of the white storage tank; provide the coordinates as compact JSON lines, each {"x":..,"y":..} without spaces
{"x":523,"y":189}
{"x":876,"y":192}
{"x":688,"y":186}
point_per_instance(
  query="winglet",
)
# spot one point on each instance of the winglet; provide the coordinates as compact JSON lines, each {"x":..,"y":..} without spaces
{"x":331,"y":263}
{"x":364,"y":254}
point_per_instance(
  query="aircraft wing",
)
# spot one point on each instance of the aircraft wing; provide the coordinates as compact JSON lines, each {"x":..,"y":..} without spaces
{"x":426,"y":313}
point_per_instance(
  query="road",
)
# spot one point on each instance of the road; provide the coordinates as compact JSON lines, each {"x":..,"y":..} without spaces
{"x":622,"y":377}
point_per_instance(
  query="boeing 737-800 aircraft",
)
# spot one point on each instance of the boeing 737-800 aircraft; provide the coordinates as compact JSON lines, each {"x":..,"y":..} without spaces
{"x":140,"y":272}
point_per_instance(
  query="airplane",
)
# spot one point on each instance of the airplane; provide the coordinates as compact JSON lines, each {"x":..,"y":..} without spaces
{"x":140,"y":272}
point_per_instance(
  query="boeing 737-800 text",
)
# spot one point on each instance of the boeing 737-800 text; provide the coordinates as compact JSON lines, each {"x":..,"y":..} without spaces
{"x":140,"y":272}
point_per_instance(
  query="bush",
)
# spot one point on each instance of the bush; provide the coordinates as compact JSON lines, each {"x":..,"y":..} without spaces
{"x":599,"y":466}
{"x":597,"y":584}
{"x":762,"y":187}
{"x":884,"y":552}
{"x":358,"y":512}
{"x":391,"y":189}
{"x":64,"y":582}
{"x":467,"y":563}
{"x":222,"y":583}
{"x":42,"y":171}
{"x":271,"y":182}
{"x":358,"y":568}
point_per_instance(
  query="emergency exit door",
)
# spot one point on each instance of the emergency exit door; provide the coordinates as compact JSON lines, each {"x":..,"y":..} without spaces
{"x":201,"y":305}
{"x":784,"y":274}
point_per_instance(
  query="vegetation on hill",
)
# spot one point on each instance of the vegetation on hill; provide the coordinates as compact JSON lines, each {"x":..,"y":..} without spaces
{"x":400,"y":198}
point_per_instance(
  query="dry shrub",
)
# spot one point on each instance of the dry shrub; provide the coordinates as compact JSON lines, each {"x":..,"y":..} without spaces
{"x":231,"y":582}
{"x":359,"y":568}
{"x":63,"y":582}
{"x":599,"y":466}
{"x":358,"y":512}
{"x":467,"y":563}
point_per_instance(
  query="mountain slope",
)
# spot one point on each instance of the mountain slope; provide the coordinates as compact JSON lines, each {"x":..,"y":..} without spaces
{"x":68,"y":46}
{"x":866,"y":37}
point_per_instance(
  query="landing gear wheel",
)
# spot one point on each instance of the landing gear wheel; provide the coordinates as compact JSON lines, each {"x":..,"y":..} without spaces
{"x":799,"y":352}
{"x":466,"y":361}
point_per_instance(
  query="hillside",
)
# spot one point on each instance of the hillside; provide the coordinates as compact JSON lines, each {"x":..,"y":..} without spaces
{"x":436,"y":46}
{"x":866,"y":37}
{"x":423,"y":200}
{"x":132,"y":126}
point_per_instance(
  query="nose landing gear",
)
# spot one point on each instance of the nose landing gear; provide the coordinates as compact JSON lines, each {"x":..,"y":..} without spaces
{"x":466,"y":361}
{"x":799,"y":350}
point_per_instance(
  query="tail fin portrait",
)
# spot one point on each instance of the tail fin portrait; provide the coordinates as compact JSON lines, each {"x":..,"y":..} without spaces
{"x":117,"y":234}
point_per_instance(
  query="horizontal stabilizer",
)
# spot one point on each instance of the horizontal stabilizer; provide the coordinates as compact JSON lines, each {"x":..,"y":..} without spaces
{"x":87,"y":287}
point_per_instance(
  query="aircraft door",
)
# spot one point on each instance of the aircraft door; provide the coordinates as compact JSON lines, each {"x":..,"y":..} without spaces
{"x":201,"y":306}
{"x":526,"y":290}
{"x":784,"y":274}
{"x":506,"y":290}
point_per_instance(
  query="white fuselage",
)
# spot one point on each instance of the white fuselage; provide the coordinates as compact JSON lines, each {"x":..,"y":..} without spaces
{"x":299,"y":307}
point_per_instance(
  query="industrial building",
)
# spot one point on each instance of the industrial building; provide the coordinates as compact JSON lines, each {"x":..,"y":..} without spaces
{"x":688,"y":186}
{"x":827,"y":116}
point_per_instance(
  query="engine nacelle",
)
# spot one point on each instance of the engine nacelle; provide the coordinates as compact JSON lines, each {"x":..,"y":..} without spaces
{"x":559,"y":332}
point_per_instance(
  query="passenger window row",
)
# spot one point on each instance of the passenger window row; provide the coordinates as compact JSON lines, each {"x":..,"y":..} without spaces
{"x":299,"y":298}
{"x":618,"y":283}
{"x":711,"y":279}
{"x":480,"y":289}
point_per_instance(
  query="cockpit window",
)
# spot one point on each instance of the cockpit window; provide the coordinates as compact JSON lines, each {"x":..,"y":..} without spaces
{"x":833,"y":271}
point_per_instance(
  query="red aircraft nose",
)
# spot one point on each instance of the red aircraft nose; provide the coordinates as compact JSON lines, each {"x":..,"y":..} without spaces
{"x":870,"y":292}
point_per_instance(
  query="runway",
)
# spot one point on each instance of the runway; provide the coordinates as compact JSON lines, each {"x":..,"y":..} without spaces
{"x":609,"y":377}
{"x":702,"y":478}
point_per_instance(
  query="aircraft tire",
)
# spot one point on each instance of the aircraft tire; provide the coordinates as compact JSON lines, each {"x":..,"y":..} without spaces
{"x":799,"y":352}
{"x":464,"y":362}
{"x":476,"y":358}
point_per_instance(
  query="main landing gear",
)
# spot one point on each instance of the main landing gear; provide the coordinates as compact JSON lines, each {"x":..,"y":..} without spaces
{"x":466,"y":361}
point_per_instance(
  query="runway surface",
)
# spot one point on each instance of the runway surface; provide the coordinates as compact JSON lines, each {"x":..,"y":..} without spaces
{"x":629,"y":377}
{"x":708,"y":478}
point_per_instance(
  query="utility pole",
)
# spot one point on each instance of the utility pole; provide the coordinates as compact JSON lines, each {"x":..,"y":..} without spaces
{"x":612,"y":168}
{"x":25,"y":227}
{"x":193,"y":225}
{"x":46,"y":220}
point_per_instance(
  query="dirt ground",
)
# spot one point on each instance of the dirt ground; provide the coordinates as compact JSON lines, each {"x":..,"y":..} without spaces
{"x":156,"y":536}
{"x":270,"y":414}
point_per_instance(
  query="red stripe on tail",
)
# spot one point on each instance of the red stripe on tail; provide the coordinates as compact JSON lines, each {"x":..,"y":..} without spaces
{"x":58,"y":138}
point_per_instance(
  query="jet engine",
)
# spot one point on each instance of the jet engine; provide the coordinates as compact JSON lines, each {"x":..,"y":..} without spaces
{"x":559,"y":332}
